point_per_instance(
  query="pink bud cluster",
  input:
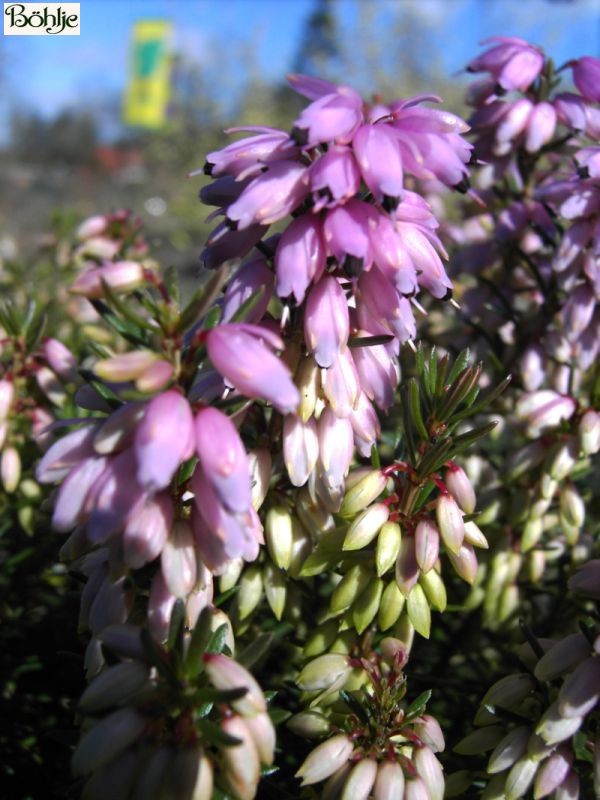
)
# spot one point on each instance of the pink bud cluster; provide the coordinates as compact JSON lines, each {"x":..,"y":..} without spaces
{"x":119,"y":491}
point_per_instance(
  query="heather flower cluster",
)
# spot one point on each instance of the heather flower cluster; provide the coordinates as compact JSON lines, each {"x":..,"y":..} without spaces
{"x":257,"y":495}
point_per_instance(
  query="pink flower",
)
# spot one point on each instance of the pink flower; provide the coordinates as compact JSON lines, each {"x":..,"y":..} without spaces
{"x":250,"y":277}
{"x":326,"y":321}
{"x":330,"y":117}
{"x":223,"y":458}
{"x":270,"y":196}
{"x":378,"y":154}
{"x":247,"y":155}
{"x":586,"y":77}
{"x":513,"y":63}
{"x":347,"y":237}
{"x":163,"y":440}
{"x":334,"y":177}
{"x":244,"y":357}
{"x":300,"y":257}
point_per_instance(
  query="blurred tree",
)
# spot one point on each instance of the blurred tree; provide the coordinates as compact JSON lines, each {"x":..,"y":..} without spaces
{"x":319,"y":52}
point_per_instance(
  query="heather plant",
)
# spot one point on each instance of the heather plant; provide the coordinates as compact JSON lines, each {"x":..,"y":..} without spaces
{"x":269,"y":486}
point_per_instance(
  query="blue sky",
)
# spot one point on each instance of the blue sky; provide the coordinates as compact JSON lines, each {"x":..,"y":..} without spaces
{"x":47,"y":73}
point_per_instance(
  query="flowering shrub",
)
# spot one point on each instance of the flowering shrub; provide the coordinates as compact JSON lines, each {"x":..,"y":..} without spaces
{"x":271,"y":485}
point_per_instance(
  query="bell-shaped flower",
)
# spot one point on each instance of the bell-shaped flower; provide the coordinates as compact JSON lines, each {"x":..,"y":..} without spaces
{"x":223,"y":458}
{"x":178,"y":560}
{"x":164,"y":439}
{"x":252,"y":276}
{"x":243,"y":354}
{"x":586,"y":77}
{"x":331,"y":117}
{"x":273,"y":194}
{"x":70,"y":507}
{"x":334,"y":178}
{"x":326,"y":321}
{"x":146,"y":530}
{"x":239,"y":533}
{"x":378,"y":373}
{"x":513,"y":62}
{"x":225,"y":244}
{"x":300,"y":257}
{"x":117,"y":494}
{"x":347,"y":236}
{"x":65,"y":454}
{"x":380,"y":160}
{"x":541,"y":125}
{"x":251,"y":153}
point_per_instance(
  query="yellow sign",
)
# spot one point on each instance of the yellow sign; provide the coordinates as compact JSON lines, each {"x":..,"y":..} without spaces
{"x":147,"y":93}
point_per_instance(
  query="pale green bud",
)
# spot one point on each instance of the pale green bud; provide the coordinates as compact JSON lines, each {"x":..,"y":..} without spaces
{"x":259,"y":469}
{"x":495,"y":789}
{"x":10,"y":469}
{"x":366,"y":606}
{"x":532,"y":533}
{"x":250,"y":592}
{"x":572,"y":507}
{"x":279,"y":535}
{"x":405,"y":631}
{"x":554,"y":728}
{"x":231,"y":574}
{"x":434,"y":589}
{"x":490,"y":510}
{"x":363,"y":493}
{"x":548,"y":486}
{"x":343,"y":643}
{"x":324,"y":672}
{"x":26,"y":517}
{"x":458,"y":783}
{"x":388,"y":546}
{"x":115,"y":686}
{"x":419,"y":613}
{"x":509,"y":749}
{"x":320,"y":639}
{"x":509,"y":691}
{"x":30,"y":489}
{"x":562,"y":657}
{"x":535,"y":565}
{"x":508,"y":603}
{"x":301,"y":547}
{"x":316,"y":519}
{"x":275,"y":589}
{"x":263,"y":735}
{"x":563,"y":459}
{"x":390,"y":608}
{"x":308,"y":382}
{"x":349,"y":588}
{"x":480,"y":741}
{"x":589,"y":432}
{"x":366,"y":526}
{"x":520,"y":778}
{"x":311,"y":724}
{"x":474,"y":536}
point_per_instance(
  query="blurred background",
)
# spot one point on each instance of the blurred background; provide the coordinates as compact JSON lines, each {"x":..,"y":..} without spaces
{"x":118,"y":116}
